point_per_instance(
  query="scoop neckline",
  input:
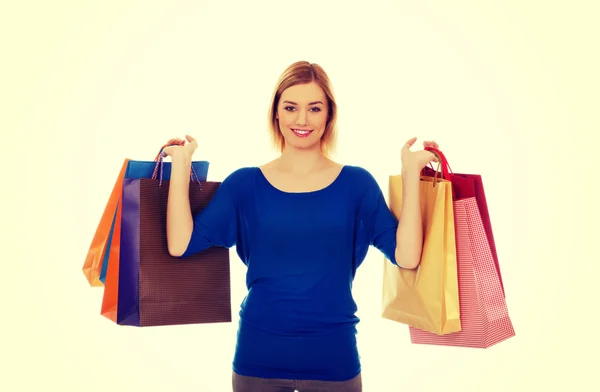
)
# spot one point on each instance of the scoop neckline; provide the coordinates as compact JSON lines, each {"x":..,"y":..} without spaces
{"x":325,"y":188}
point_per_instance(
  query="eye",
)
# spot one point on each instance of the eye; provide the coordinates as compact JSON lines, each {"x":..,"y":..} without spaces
{"x":292,"y":108}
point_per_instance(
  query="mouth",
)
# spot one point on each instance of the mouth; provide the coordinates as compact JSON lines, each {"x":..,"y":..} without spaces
{"x":301,"y":132}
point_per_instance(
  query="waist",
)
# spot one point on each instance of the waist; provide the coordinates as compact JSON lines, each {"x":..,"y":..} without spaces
{"x":329,"y":356}
{"x":299,"y":315}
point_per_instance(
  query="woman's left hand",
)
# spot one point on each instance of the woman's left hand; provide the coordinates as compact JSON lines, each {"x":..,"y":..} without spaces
{"x":417,"y":160}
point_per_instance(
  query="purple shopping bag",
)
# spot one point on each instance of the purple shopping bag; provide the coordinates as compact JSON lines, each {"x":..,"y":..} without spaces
{"x":156,"y":288}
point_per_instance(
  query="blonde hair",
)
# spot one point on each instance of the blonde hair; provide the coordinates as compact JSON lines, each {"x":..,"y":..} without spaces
{"x":303,"y":72}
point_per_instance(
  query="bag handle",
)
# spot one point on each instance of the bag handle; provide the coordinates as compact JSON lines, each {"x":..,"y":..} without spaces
{"x":442,"y":162}
{"x":171,"y":142}
{"x":159,"y":159}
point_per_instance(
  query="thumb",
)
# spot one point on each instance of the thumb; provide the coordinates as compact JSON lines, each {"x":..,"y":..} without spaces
{"x":409,"y":143}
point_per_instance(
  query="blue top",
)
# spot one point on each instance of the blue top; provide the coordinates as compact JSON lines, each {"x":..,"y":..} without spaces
{"x":302,"y":250}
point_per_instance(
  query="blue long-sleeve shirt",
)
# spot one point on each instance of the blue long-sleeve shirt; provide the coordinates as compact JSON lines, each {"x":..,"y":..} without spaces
{"x":302,"y":251}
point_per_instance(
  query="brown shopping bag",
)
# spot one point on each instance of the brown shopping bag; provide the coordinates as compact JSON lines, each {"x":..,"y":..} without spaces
{"x":465,"y":186}
{"x":426,"y":297}
{"x":145,"y":285}
{"x":102,"y":263}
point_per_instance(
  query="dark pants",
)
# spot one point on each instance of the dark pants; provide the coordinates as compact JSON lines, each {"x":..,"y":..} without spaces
{"x":256,"y":384}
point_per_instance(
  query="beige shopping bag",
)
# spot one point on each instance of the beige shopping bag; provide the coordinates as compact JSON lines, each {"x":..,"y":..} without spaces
{"x":426,"y":297}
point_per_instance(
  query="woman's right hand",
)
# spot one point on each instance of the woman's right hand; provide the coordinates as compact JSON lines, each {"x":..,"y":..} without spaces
{"x":184,"y":151}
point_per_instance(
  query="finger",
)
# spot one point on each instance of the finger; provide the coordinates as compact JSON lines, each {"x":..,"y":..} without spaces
{"x":189,"y":138}
{"x":431,"y":143}
{"x":193,"y":144}
{"x":175,"y":141}
{"x":410,"y":142}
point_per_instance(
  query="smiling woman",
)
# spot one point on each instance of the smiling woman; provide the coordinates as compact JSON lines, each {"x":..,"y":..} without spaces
{"x":303,"y":101}
{"x":302,"y":224}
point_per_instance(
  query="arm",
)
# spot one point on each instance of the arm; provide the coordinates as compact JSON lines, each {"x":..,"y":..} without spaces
{"x":401,"y":240}
{"x":215,"y":225}
{"x":180,"y":222}
{"x":409,"y":235}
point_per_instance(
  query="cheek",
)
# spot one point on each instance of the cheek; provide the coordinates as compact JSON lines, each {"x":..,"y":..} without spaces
{"x":321,"y":119}
{"x":285,"y":117}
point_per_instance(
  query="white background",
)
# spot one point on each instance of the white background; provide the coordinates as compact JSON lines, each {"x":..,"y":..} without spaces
{"x":509,"y":90}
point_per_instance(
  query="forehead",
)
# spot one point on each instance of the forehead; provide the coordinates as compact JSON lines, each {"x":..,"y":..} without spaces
{"x":304,"y":93}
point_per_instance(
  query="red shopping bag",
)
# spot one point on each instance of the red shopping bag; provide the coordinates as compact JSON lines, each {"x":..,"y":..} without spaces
{"x":471,"y":185}
{"x":484,"y":316}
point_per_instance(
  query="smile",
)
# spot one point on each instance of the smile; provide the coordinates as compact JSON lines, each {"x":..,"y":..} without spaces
{"x":301,"y":132}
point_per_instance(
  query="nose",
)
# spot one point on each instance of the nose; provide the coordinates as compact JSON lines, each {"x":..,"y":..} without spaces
{"x":301,"y":119}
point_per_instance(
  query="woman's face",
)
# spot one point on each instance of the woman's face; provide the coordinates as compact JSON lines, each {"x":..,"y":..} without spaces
{"x":302,"y":115}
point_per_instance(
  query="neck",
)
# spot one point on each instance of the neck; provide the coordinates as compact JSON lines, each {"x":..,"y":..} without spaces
{"x":302,"y":161}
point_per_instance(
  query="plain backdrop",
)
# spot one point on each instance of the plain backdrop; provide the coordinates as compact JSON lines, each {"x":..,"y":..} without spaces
{"x":509,"y":89}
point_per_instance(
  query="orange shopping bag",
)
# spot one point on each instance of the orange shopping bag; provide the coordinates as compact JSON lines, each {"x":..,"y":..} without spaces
{"x":92,"y":265}
{"x":111,"y":288}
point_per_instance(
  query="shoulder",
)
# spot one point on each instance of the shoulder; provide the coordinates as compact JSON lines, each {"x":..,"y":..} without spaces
{"x":240,"y":177}
{"x":241,"y":174}
{"x":362,"y":183}
{"x":360,"y":175}
{"x":238,"y":183}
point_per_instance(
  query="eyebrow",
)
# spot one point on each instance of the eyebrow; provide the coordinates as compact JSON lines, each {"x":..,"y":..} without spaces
{"x":311,"y":103}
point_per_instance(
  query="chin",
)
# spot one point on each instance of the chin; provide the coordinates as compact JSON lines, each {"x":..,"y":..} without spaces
{"x":305,"y":145}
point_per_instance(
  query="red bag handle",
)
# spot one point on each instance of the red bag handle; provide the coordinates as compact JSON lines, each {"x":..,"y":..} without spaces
{"x":443,"y":162}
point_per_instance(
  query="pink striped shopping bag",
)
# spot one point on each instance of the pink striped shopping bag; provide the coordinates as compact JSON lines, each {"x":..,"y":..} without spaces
{"x":484,"y":316}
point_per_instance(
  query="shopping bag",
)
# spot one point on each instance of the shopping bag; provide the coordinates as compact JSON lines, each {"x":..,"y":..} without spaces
{"x":107,"y":249}
{"x":426,"y":297}
{"x":109,"y":270}
{"x":111,"y":283}
{"x":145,"y":169}
{"x":92,"y":265}
{"x":484,"y":316}
{"x":95,"y":265}
{"x":155,"y":288}
{"x":471,"y":185}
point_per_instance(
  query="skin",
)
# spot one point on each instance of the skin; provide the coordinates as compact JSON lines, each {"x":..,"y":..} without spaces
{"x":302,"y":167}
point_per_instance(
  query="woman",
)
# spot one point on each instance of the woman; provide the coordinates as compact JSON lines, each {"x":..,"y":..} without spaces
{"x":302,"y":224}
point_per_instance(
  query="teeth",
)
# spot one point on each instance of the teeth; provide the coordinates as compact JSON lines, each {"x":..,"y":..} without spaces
{"x":301,"y":131}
